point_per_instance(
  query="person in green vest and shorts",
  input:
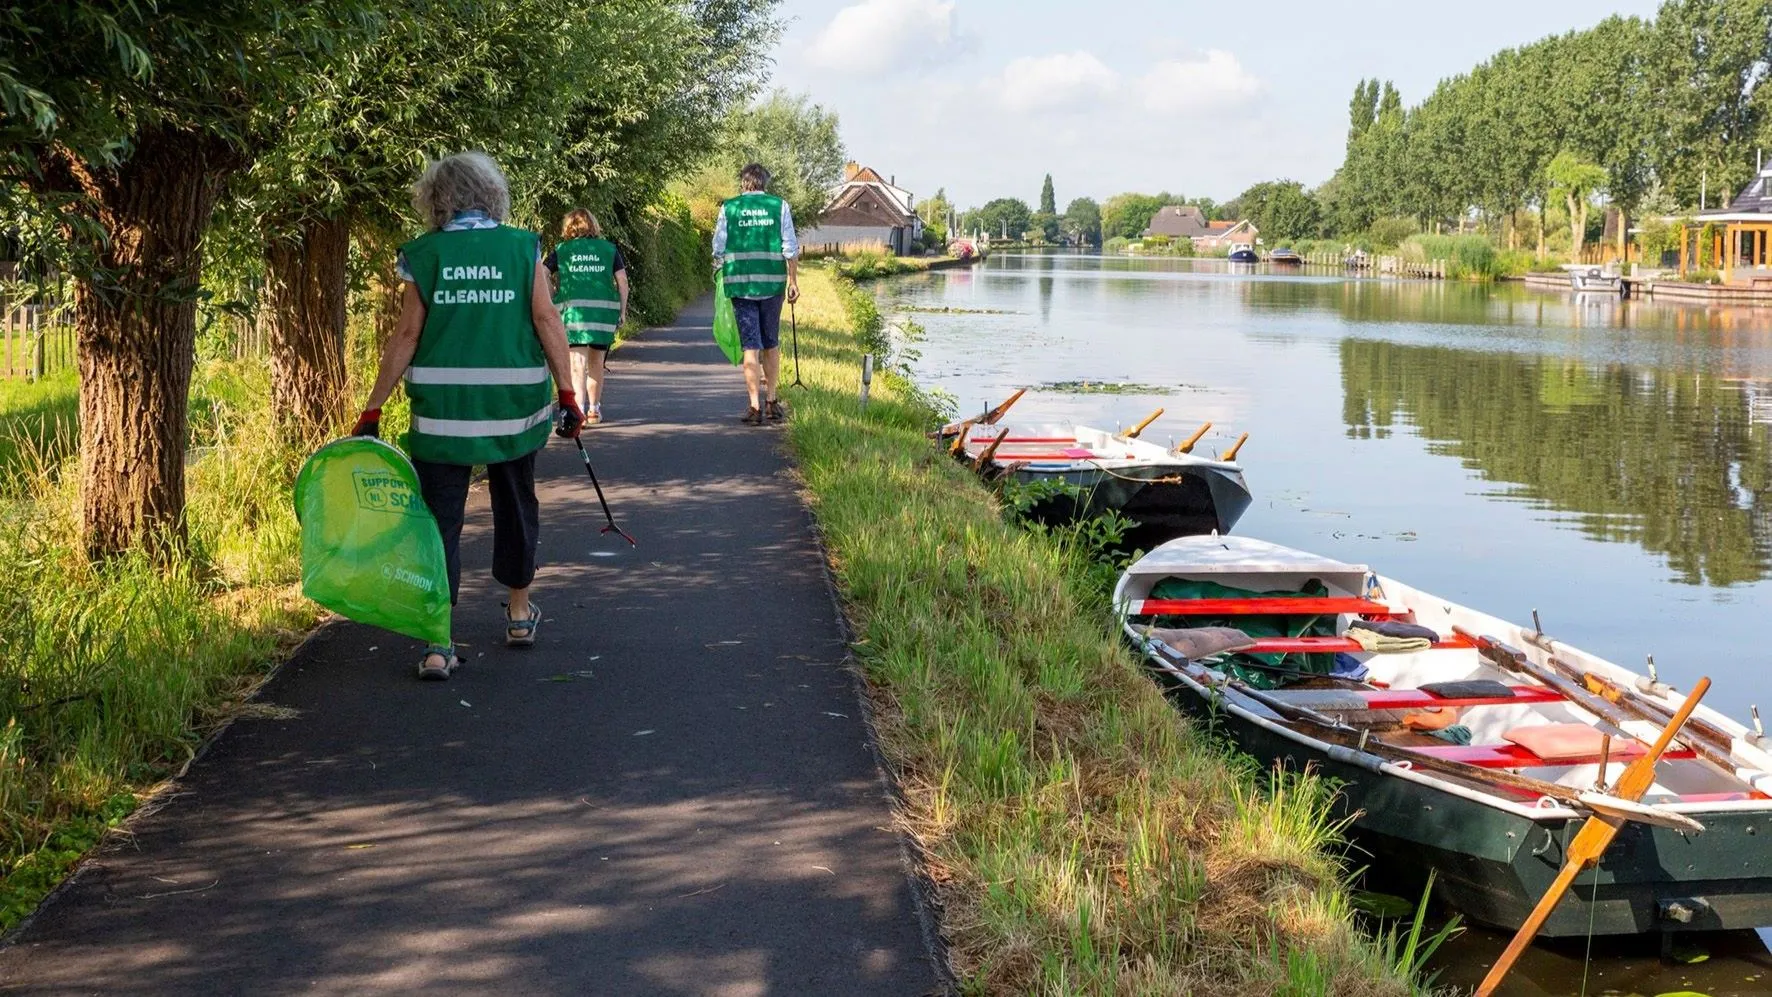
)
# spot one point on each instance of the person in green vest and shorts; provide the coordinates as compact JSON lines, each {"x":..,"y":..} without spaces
{"x":478,"y":337}
{"x":591,"y":282}
{"x":757,"y":254}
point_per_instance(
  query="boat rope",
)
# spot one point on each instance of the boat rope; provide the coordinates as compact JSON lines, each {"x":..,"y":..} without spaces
{"x":1173,"y":479}
{"x":1593,"y":901}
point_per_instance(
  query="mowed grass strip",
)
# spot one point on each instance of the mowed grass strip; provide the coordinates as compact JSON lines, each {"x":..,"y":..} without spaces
{"x":1083,"y":837}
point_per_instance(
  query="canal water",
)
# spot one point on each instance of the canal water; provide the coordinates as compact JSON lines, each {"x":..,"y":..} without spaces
{"x":1607,"y":463}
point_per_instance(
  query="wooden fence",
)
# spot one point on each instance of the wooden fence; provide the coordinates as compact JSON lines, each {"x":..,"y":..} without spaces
{"x":250,"y":339}
{"x":32,"y":344}
{"x":1392,"y":266}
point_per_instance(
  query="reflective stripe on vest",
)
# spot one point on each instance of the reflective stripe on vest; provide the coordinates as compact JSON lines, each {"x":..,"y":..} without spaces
{"x":588,"y":303}
{"x":754,"y":256}
{"x":591,"y":327}
{"x":478,"y":380}
{"x":470,"y":428}
{"x":476,"y":375}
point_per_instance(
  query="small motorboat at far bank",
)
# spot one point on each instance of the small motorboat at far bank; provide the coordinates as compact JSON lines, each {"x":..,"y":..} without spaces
{"x":1592,"y":279}
{"x":1285,"y":257}
{"x":1166,"y":492}
{"x":1243,"y":252}
{"x":1466,"y":745}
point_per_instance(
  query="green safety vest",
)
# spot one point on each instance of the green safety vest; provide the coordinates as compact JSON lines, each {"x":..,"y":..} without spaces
{"x":754,"y":266}
{"x":590,"y":303}
{"x":479,"y":380}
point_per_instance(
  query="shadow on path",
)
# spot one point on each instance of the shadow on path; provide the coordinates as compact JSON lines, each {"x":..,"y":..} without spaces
{"x":672,"y":793}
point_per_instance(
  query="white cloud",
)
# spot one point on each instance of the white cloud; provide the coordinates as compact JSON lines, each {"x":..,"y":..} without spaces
{"x":875,"y":36}
{"x":1053,"y":82}
{"x":1214,"y":82}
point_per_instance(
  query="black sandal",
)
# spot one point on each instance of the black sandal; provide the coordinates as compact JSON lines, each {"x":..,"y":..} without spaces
{"x":752,"y":416}
{"x":775,"y":411}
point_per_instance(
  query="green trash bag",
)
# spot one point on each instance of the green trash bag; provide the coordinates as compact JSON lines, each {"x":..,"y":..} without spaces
{"x":726,"y":323}
{"x":370,"y":550}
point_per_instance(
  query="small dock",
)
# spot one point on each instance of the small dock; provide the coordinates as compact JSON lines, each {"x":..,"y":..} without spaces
{"x":1381,"y":266}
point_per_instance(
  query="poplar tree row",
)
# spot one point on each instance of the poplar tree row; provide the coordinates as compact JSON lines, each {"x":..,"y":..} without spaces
{"x":1648,"y":113}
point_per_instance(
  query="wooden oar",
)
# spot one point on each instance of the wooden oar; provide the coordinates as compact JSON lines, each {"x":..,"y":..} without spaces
{"x":959,"y":443}
{"x":1187,"y":445}
{"x":1132,"y":434}
{"x":1607,"y":700}
{"x":1331,"y":729}
{"x":984,"y":458}
{"x":1590,"y":842}
{"x":1231,"y":454}
{"x":990,"y":418}
{"x":984,"y":418}
{"x":1513,"y":659}
{"x":1712,"y":743}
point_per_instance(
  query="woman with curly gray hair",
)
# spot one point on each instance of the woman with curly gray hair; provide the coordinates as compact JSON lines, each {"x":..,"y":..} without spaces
{"x":477,"y":339}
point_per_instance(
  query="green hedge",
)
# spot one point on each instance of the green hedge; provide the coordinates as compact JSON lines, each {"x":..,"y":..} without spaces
{"x":669,"y":260}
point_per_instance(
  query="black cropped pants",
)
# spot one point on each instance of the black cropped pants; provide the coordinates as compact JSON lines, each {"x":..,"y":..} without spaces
{"x":516,"y":516}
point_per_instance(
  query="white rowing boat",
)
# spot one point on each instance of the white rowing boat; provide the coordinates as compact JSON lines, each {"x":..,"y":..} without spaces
{"x":1550,"y":726}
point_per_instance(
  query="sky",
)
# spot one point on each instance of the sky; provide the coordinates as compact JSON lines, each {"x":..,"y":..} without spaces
{"x":985,"y":97}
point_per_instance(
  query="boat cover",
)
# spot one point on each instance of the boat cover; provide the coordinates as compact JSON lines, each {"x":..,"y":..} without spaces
{"x":1263,"y":671}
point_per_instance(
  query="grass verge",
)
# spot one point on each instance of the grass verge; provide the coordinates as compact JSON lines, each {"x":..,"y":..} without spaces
{"x":1082,"y":837}
{"x":111,"y":676}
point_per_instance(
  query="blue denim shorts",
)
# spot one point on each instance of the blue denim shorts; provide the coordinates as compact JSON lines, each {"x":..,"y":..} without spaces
{"x":759,"y":322}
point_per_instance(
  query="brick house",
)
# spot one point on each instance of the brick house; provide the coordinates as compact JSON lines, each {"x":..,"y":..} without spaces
{"x":866,"y":208}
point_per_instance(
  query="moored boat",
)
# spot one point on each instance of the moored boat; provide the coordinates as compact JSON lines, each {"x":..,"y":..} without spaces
{"x":1243,"y":252}
{"x":1285,"y":257}
{"x":1476,"y":753}
{"x":1590,"y":279}
{"x":1166,"y":492}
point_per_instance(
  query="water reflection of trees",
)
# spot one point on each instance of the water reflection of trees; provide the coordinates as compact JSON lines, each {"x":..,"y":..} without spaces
{"x":1672,"y":460}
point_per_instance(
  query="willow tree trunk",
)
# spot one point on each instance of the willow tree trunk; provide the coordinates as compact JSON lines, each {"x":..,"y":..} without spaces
{"x":1577,"y":226}
{"x":135,"y":318}
{"x":305,"y":308}
{"x":1543,"y":224}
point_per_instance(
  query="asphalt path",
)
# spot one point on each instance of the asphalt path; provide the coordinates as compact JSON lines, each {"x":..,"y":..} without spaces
{"x":673,"y":792}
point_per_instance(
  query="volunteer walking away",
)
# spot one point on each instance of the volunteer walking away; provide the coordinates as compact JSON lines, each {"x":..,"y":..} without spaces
{"x":756,"y":252}
{"x":592,"y":292}
{"x":477,"y":338}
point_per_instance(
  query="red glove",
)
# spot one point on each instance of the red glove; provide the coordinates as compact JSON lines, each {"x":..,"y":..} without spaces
{"x":368,"y":424}
{"x":572,"y":418}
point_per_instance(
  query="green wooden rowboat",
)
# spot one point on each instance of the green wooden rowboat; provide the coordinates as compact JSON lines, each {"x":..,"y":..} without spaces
{"x":1493,"y":817}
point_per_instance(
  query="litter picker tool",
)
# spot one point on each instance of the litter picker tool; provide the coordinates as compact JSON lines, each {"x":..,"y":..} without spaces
{"x":794,"y":330}
{"x":611,"y":528}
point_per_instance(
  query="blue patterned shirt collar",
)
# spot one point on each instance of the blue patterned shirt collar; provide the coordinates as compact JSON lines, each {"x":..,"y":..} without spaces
{"x":473,"y":218}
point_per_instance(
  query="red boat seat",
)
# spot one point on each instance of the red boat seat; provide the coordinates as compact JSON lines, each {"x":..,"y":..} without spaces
{"x":1280,"y":606}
